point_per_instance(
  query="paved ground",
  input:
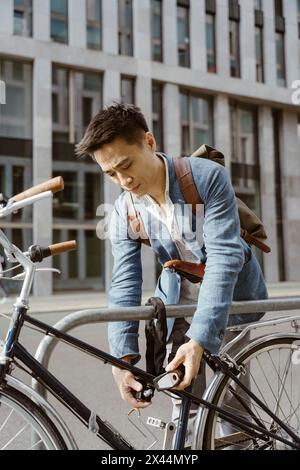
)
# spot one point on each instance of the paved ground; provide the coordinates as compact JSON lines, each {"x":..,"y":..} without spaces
{"x":89,"y":378}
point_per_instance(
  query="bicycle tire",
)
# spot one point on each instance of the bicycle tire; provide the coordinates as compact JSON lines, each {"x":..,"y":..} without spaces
{"x":213,"y":434}
{"x":17,"y":413}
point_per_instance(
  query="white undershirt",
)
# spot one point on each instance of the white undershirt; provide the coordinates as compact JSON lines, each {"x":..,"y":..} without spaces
{"x":189,"y":290}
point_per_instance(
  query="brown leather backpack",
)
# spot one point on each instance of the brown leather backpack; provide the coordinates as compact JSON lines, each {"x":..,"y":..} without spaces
{"x":252,"y":229}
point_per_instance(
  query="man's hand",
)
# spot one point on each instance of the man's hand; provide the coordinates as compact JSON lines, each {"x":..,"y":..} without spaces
{"x":126,"y":382}
{"x":189,"y":354}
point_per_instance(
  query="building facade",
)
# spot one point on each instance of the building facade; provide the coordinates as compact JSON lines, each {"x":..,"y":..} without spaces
{"x":219,"y":72}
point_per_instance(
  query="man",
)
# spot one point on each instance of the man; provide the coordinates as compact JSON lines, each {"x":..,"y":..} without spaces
{"x":119,"y":140}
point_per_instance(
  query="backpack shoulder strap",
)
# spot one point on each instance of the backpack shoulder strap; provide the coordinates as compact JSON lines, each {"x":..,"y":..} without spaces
{"x":135,"y":222}
{"x":191,"y":196}
{"x":186,"y":181}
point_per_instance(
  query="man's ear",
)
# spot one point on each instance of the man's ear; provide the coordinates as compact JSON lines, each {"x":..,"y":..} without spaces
{"x":150,"y":141}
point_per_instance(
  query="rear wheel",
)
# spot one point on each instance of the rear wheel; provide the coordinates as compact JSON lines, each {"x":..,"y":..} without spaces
{"x":272,"y":372}
{"x":24,"y":425}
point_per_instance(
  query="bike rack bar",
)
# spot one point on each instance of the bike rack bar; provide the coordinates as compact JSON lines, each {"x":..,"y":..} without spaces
{"x":85,"y":317}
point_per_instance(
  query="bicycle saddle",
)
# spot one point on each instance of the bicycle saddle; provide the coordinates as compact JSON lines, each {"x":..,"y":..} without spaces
{"x":194,"y":272}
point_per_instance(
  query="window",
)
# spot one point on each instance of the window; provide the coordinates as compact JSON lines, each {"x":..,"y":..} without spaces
{"x":279,"y":193}
{"x":125,"y":28}
{"x":245,"y":157}
{"x":196,"y":122}
{"x":183,"y":35}
{"x":258,"y":5}
{"x":259,"y":54}
{"x":16,"y":114}
{"x":66,"y":204}
{"x":23,"y":17}
{"x":278,"y":5}
{"x":93,"y":24}
{"x":157,"y":114}
{"x":59,"y":20}
{"x":127,"y":90}
{"x":280,"y":60}
{"x":211,"y":43}
{"x":234,"y":48}
{"x":156,"y":16}
{"x":76,"y":98}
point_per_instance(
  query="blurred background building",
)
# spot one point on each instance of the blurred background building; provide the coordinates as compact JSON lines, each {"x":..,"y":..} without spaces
{"x":203,"y":71}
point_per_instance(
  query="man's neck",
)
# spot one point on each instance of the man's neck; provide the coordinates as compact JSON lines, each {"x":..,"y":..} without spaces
{"x":158,"y":189}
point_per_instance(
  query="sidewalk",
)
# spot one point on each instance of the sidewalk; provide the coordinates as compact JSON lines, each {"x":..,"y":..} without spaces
{"x":73,"y":301}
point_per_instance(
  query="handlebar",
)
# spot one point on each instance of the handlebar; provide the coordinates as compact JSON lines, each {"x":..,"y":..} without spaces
{"x":62,"y":247}
{"x":37,"y":253}
{"x":54,"y":185}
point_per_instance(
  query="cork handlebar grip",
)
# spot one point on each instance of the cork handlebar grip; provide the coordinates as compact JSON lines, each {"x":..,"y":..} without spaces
{"x":54,"y":185}
{"x":59,"y":248}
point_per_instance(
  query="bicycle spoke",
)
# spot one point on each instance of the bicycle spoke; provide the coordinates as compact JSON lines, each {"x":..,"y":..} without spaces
{"x":37,"y":443}
{"x":270,"y":377}
{"x":13,"y":438}
{"x":6,"y":420}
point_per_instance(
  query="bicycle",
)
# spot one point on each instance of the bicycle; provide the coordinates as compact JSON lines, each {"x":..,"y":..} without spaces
{"x":261,"y":422}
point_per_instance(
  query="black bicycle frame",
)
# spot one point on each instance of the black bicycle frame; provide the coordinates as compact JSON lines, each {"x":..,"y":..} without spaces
{"x":105,"y":430}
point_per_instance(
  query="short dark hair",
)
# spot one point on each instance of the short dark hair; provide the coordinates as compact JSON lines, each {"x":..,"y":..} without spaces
{"x":119,"y":120}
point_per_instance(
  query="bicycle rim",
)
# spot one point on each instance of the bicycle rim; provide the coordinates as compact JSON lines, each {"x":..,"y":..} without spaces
{"x":272,"y":372}
{"x":24,"y":426}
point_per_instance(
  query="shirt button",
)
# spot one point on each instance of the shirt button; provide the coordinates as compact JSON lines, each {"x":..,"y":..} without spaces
{"x":221,"y":334}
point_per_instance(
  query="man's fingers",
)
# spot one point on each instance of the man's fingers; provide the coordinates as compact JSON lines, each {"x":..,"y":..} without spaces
{"x":134,"y":384}
{"x":178,"y":359}
{"x":186,"y":381}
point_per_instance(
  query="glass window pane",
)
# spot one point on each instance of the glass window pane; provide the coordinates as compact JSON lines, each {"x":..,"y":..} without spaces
{"x":198,"y":127}
{"x":65,"y":203}
{"x":59,"y":20}
{"x":280,"y":60}
{"x":17,"y":187}
{"x":127,"y":90}
{"x":23,"y":17}
{"x":157,"y":114}
{"x":58,"y":30}
{"x":88,"y":100}
{"x":184,"y":107}
{"x":2,"y":180}
{"x":93,"y":37}
{"x":93,"y":24}
{"x":125,"y":27}
{"x":60,"y":104}
{"x":93,"y":254}
{"x":156,"y":16}
{"x":234,"y":46}
{"x":16,"y":114}
{"x":93,"y":10}
{"x":93,"y":194}
{"x":258,"y":4}
{"x":72,"y":257}
{"x":59,"y":6}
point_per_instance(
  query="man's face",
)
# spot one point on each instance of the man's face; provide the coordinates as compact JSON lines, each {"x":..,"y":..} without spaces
{"x":129,"y":165}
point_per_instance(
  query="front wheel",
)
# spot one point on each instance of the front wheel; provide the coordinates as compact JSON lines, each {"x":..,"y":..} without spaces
{"x":272,"y":372}
{"x":24,"y":425}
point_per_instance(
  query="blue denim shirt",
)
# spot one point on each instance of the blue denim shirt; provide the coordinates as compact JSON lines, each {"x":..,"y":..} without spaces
{"x":232,"y":271}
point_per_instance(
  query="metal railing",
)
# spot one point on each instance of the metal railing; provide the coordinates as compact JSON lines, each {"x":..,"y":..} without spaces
{"x":85,"y":317}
